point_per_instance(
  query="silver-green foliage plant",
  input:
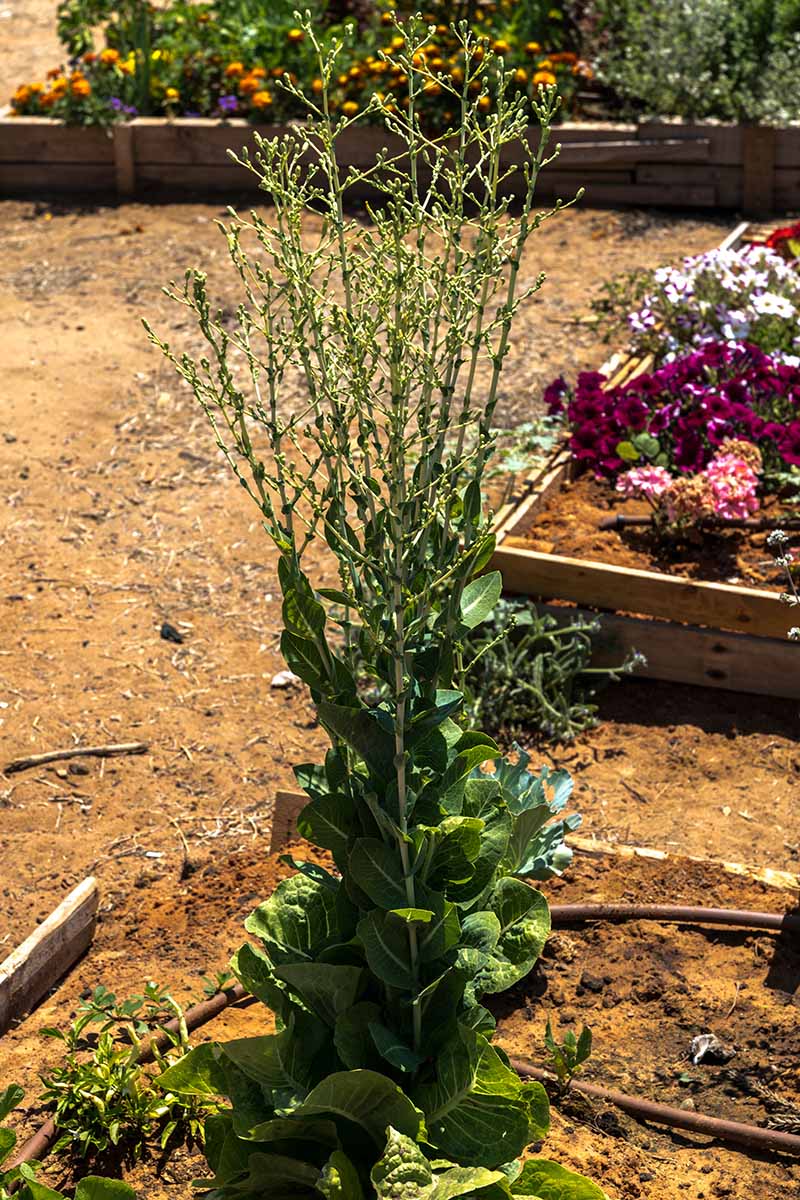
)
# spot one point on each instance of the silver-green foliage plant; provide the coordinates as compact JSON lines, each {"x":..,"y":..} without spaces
{"x":381,"y":1079}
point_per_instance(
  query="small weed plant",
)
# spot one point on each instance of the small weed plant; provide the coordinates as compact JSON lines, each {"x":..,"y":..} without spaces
{"x":568,"y":1055}
{"x":103,"y":1099}
{"x":381,"y":1079}
{"x":21,"y":1182}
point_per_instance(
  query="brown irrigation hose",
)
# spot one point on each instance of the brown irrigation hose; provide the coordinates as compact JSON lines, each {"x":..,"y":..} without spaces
{"x":560,"y":914}
{"x":624,"y":521}
{"x":577,"y":914}
{"x":663,"y":1114}
{"x":39,"y":1143}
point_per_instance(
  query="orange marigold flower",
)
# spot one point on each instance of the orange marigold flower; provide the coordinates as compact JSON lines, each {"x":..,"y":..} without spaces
{"x":349,"y":108}
{"x":386,"y":18}
{"x":544,"y":78}
{"x":316,"y":86}
{"x":457,"y":75}
{"x":89,"y":57}
{"x":48,"y":100}
{"x":485,"y":103}
{"x":295,"y":35}
{"x":262,"y":99}
{"x":234,"y":69}
{"x":432,"y":89}
{"x":36,"y":87}
{"x":81,"y":87}
{"x":355,"y":72}
{"x":54,"y":73}
{"x":59,"y":86}
{"x":521,"y":75}
{"x":109,"y":57}
{"x":126,"y":67}
{"x":258,"y":73}
{"x":532,"y":47}
{"x":546,"y":64}
{"x":21,"y":96}
{"x":501,"y":46}
{"x":564,"y":56}
{"x":249,"y":86}
{"x":342,"y":81}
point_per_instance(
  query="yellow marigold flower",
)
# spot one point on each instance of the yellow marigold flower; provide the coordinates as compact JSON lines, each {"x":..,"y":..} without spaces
{"x":432,"y":89}
{"x":437,"y":63}
{"x":234,"y":69}
{"x":22,"y":95}
{"x":379,"y":67}
{"x":545,"y":78}
{"x":386,"y":18}
{"x":127,"y":66}
{"x":59,"y":86}
{"x":478,"y":53}
{"x":521,"y":75}
{"x":349,"y":108}
{"x":81,"y":87}
{"x":501,"y":46}
{"x":109,"y":57}
{"x":485,"y":103}
{"x":398,"y":41}
{"x":316,"y":86}
{"x":262,"y":99}
{"x":295,"y":35}
{"x":355,"y":72}
{"x":342,"y":81}
{"x":442,"y":30}
{"x":171,"y":95}
{"x":457,"y":75}
{"x":36,"y":87}
{"x":532,"y":47}
{"x":545,"y":65}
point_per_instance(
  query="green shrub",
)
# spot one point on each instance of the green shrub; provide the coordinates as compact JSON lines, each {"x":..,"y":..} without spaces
{"x":381,"y":1079}
{"x":730,"y":59}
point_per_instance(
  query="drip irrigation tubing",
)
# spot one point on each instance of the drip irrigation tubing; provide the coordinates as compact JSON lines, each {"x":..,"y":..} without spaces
{"x":579,"y":914}
{"x":561,"y":915}
{"x":625,"y":521}
{"x":753,"y":1136}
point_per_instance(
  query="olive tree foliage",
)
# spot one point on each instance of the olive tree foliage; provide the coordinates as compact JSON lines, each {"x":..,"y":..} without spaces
{"x":381,"y":1079}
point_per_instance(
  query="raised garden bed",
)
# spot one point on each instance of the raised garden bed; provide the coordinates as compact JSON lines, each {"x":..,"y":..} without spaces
{"x":667,"y":164}
{"x":691,"y":630}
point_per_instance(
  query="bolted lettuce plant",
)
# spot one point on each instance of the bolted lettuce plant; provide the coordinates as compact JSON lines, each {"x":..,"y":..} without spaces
{"x":381,"y":1079}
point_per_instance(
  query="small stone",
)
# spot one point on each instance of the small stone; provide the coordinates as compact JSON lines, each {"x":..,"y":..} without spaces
{"x":592,"y":983}
{"x":285,"y":679}
{"x":688,"y":1105}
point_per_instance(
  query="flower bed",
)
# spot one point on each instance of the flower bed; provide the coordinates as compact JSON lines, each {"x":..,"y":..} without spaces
{"x":676,"y":458}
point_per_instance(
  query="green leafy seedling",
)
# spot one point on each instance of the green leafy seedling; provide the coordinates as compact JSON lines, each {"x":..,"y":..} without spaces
{"x":568,"y":1055}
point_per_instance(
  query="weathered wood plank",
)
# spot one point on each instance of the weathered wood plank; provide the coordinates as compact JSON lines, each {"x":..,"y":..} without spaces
{"x":758,"y":170}
{"x":541,"y":487}
{"x":787,"y":147}
{"x":43,"y":958}
{"x":288,"y":806}
{"x":604,"y":585}
{"x":23,"y":179}
{"x":43,"y":140}
{"x":725,"y":141}
{"x":787,"y":189}
{"x":726,"y":180}
{"x":676,"y":653}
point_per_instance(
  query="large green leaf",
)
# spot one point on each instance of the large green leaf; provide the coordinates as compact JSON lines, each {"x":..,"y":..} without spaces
{"x":465,"y":1181}
{"x":95,"y":1188}
{"x":494,"y":843}
{"x":393,"y":1048}
{"x":339,"y":1179}
{"x":256,"y":973}
{"x":378,"y":871}
{"x":386,"y":946}
{"x":198,"y":1073}
{"x":273,"y":1176}
{"x":297,"y":922}
{"x":458,"y":846}
{"x":403,"y":1172}
{"x":367,"y":1099}
{"x":326,"y":989}
{"x":524,"y":926}
{"x":352,"y":1037}
{"x":327,"y":822}
{"x":282,"y":1064}
{"x":478,"y":1111}
{"x":360,"y":729}
{"x":303,"y":657}
{"x":548,"y":1181}
{"x":479,"y":598}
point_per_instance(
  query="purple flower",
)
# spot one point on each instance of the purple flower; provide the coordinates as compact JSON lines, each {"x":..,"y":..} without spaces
{"x":554,"y":395}
{"x":115,"y":103}
{"x":228,"y":104}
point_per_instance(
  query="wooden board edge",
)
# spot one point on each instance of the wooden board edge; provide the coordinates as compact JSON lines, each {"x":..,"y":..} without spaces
{"x":770,"y":876}
{"x":287,"y":803}
{"x":39,"y":962}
